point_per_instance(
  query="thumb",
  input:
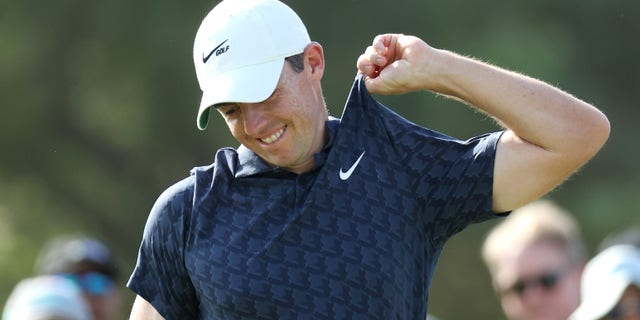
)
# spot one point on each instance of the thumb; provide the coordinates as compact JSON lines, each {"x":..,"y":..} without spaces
{"x":383,"y":81}
{"x":373,"y":85}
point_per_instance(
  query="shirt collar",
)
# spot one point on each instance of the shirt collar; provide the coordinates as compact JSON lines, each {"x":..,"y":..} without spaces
{"x":249,"y":163}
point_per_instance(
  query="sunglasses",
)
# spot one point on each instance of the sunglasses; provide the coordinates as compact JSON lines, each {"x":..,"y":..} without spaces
{"x":93,"y":283}
{"x":546,"y":281}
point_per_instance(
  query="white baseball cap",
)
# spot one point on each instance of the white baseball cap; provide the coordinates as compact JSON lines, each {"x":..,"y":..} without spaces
{"x":605,"y":278}
{"x":239,"y":51}
{"x":46,"y":296}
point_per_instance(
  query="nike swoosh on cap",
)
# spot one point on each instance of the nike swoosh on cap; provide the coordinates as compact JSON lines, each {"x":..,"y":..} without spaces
{"x":206,"y":58}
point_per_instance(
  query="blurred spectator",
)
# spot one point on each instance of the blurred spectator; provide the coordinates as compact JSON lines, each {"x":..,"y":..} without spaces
{"x":535,"y":258}
{"x":46,"y":298}
{"x":611,"y":285}
{"x":89,"y":263}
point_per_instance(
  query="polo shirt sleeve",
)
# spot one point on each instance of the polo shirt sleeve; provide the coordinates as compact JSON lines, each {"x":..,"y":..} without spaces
{"x":451,"y":179}
{"x":160,"y":276}
{"x":457,"y":185}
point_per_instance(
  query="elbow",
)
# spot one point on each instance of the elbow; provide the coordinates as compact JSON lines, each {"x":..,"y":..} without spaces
{"x":601,"y":129}
{"x":594,"y":137}
{"x":605,"y":127}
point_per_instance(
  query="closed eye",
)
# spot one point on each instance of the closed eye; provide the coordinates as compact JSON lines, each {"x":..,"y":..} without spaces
{"x":227,"y":109}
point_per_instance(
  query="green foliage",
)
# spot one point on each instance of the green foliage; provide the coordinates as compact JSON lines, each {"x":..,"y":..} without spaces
{"x":98,"y":103}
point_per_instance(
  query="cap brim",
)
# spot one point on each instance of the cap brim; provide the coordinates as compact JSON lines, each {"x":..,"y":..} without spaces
{"x":249,"y":84}
{"x":599,"y":303}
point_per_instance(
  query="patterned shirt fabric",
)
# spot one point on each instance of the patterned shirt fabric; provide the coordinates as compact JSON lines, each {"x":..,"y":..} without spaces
{"x":357,"y":237}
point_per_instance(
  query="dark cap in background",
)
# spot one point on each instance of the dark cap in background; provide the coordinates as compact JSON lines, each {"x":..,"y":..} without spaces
{"x":76,"y":254}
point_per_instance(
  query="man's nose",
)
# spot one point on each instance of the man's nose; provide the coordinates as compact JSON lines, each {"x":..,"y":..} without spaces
{"x":254,"y":119}
{"x":533,"y":293}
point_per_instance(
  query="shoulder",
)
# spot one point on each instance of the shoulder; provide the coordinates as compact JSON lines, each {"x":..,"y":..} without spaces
{"x":178,"y":192}
{"x":178,"y":198}
{"x":172,"y":203}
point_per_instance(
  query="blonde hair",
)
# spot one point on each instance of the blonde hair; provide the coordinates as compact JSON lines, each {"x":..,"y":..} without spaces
{"x":536,"y":222}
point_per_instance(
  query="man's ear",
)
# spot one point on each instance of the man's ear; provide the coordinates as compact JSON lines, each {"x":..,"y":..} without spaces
{"x":314,"y":59}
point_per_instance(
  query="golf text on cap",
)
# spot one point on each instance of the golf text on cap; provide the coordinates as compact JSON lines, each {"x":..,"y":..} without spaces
{"x":218,"y":51}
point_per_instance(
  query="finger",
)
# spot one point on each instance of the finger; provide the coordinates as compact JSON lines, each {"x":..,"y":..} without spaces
{"x":374,"y":84}
{"x":376,"y":56}
{"x":381,"y":43}
{"x":370,"y":61}
{"x":385,"y":45}
{"x":365,"y":66}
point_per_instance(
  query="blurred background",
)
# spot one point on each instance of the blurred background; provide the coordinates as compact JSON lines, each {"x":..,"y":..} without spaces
{"x":98,"y":102}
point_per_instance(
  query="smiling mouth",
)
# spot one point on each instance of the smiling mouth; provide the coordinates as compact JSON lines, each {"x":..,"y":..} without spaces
{"x":274,"y":137}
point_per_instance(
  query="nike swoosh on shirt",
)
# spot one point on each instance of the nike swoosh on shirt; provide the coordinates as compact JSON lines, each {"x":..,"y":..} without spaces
{"x":345,"y":175}
{"x":206,"y":58}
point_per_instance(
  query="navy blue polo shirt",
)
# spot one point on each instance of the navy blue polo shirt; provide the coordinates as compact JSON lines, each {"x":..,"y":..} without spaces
{"x":357,"y":237}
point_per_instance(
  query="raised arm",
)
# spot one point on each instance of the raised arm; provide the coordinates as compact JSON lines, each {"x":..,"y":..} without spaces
{"x":549,"y":133}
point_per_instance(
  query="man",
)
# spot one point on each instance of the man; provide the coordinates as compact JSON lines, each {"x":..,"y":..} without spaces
{"x":318,"y":217}
{"x":535,"y":257}
{"x":89,"y":263}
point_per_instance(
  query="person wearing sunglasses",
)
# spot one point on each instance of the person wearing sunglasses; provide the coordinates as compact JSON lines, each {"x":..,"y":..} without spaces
{"x":611,"y":285}
{"x":535,"y":258}
{"x":88,"y":263}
